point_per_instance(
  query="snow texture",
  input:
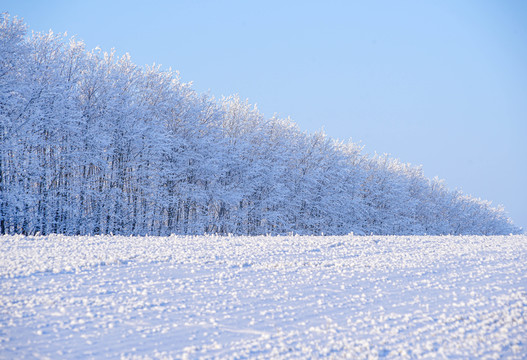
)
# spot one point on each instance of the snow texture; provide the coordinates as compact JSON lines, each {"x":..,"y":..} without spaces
{"x":263,"y":297}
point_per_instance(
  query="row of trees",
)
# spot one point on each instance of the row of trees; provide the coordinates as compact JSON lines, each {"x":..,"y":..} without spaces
{"x":91,"y":143}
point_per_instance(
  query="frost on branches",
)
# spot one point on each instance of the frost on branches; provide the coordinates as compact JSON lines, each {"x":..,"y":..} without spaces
{"x":92,"y":144}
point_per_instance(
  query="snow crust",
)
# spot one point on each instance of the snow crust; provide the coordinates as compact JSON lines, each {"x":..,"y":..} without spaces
{"x":263,"y":297}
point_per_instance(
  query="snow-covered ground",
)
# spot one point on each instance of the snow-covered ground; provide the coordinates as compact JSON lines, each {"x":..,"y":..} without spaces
{"x":270,"y":297}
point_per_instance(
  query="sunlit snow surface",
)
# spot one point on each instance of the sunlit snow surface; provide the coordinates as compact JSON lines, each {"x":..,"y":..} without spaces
{"x":269,"y":297}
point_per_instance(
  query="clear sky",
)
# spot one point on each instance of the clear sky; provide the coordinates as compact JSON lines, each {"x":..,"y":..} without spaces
{"x":441,"y":84}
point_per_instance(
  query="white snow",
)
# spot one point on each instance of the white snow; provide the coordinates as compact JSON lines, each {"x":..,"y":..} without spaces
{"x":269,"y":297}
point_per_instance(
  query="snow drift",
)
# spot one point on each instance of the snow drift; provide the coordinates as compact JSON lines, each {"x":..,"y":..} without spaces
{"x":299,"y":297}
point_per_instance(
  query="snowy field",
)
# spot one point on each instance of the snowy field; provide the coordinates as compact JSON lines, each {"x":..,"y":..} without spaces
{"x":268,"y":297}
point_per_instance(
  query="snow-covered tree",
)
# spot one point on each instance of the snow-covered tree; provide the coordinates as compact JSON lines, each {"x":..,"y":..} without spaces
{"x":90,"y":143}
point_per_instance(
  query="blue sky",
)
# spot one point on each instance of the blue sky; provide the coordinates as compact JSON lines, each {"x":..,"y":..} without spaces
{"x":441,"y":84}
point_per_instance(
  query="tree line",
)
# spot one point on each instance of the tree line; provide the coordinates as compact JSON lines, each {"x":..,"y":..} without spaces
{"x":90,"y":143}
